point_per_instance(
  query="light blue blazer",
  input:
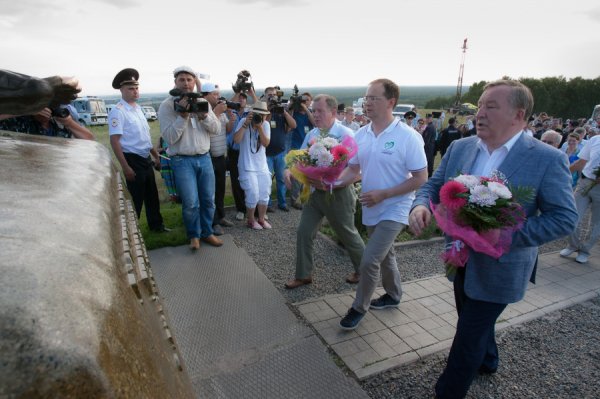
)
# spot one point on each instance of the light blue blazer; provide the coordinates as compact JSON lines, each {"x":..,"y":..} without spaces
{"x":550,"y":215}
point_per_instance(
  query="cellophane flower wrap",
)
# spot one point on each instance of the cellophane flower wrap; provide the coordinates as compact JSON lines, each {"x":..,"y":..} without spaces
{"x":324,"y":160}
{"x":479,"y":213}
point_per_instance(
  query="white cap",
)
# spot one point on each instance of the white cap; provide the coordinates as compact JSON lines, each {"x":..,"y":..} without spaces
{"x":208,"y":87}
{"x":185,"y":69}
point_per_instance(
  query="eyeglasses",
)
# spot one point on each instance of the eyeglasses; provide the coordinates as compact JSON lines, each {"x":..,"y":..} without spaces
{"x":410,"y":117}
{"x":547,"y":142}
{"x":373,"y":98}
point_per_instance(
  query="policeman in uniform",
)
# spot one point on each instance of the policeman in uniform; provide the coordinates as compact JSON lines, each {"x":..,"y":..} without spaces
{"x":131,"y":142}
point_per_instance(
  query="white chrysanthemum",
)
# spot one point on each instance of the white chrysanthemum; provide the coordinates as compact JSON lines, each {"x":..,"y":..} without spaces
{"x":324,"y":159}
{"x":316,"y":149}
{"x":329,"y":142}
{"x":482,"y":196}
{"x":500,"y":190}
{"x":469,"y":181}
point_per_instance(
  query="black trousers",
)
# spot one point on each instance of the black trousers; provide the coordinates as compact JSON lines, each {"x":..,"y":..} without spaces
{"x":143,"y":189}
{"x":220,"y":168}
{"x":234,"y":174}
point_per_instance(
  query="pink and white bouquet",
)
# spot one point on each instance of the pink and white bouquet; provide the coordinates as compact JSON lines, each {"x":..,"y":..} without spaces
{"x":479,"y":213}
{"x":324,"y":160}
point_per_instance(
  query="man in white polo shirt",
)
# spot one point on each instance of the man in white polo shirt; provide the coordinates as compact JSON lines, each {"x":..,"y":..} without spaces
{"x":392,"y":161}
{"x":587,"y":195}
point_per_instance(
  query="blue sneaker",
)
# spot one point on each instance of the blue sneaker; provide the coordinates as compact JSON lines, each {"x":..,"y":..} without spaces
{"x":351,"y":320}
{"x":384,"y":301}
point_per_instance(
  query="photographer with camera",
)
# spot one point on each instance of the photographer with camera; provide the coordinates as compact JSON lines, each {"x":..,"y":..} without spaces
{"x":56,"y":122}
{"x":253,"y":135}
{"x":186,"y":124}
{"x":305,"y":122}
{"x":281,"y":122}
{"x":218,"y":150}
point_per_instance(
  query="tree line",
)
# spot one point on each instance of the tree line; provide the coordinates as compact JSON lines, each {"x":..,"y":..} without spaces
{"x":557,"y":96}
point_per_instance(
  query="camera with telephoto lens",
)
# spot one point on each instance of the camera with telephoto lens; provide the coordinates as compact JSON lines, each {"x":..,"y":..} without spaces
{"x":243,"y":82}
{"x":230,"y":104}
{"x":60,"y":112}
{"x":195,"y":105}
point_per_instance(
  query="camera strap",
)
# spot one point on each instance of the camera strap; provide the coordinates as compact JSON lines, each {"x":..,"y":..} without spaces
{"x":257,"y":140}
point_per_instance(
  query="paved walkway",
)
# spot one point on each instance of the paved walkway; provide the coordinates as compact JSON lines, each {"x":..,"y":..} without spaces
{"x":425,"y":321}
{"x":237,"y":336}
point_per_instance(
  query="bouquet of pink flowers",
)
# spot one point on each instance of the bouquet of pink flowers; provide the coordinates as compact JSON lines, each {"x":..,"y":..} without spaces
{"x":324,"y":160}
{"x":479,"y":213}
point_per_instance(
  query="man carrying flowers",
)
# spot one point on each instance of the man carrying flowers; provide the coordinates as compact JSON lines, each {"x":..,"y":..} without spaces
{"x":391,"y":160}
{"x":487,"y":283}
{"x":338,"y":205}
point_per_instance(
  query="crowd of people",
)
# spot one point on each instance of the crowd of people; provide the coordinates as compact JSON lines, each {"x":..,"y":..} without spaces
{"x":204,"y":136}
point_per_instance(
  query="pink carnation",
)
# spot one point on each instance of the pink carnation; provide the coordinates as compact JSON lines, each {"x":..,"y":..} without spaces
{"x":338,"y":152}
{"x":449,"y":195}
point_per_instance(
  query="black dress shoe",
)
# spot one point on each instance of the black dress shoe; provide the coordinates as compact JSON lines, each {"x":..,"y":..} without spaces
{"x":284,"y":208}
{"x":485,"y":370}
{"x":270,"y":209}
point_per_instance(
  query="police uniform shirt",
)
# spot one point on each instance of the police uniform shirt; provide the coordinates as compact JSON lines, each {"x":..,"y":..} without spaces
{"x":129,"y":122}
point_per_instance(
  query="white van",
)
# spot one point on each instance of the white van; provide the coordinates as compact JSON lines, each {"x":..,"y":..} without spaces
{"x":91,"y":110}
{"x":149,"y":113}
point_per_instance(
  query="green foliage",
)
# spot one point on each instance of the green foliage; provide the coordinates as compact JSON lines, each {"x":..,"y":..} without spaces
{"x":556,"y":95}
{"x":440,"y":102}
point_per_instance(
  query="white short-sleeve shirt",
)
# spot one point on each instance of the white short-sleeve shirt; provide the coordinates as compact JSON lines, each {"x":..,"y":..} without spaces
{"x":129,"y":122}
{"x":253,"y":157}
{"x":591,"y":153}
{"x":385,"y":161}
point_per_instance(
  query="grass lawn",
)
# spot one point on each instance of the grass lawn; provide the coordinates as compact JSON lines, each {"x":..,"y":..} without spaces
{"x":171,"y":212}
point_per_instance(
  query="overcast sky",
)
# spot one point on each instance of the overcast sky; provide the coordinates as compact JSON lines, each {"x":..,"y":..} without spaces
{"x":308,"y":42}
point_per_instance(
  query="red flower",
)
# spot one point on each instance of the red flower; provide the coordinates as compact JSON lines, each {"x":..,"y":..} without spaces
{"x":339,"y":152}
{"x":449,"y":195}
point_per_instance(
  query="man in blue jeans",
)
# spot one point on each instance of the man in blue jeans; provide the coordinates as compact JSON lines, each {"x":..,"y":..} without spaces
{"x":187,"y":132}
{"x":281,"y":123}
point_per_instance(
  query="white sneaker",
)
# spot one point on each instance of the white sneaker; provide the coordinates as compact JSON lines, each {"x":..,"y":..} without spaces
{"x":566,"y":252}
{"x":239,"y":216}
{"x":582,"y":258}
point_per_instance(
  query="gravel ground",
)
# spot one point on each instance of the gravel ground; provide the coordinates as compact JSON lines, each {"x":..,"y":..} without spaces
{"x":557,"y":356}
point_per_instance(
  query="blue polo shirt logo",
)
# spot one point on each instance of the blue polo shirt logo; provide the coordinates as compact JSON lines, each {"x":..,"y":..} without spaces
{"x":389,"y":145}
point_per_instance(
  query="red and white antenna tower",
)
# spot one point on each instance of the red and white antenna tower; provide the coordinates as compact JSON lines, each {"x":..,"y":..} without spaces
{"x":460,"y":75}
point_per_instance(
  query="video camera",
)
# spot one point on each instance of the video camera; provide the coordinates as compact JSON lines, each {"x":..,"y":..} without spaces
{"x":243,"y":82}
{"x":276,"y":103}
{"x":296,"y":100}
{"x":194,"y":105}
{"x":230,"y":104}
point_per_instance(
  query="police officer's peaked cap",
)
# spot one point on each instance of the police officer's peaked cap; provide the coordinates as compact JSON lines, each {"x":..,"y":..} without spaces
{"x":127,"y":76}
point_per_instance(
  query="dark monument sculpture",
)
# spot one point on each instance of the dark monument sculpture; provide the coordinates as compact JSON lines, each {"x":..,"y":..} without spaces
{"x":22,"y":94}
{"x":80,"y":313}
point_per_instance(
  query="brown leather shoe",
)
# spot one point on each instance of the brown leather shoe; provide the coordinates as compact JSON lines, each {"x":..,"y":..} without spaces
{"x":353,"y":278}
{"x":298,"y":282}
{"x":212,"y":240}
{"x":194,"y":244}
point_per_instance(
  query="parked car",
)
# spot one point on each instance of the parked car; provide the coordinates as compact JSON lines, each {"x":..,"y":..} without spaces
{"x":149,"y":113}
{"x":401,"y":109}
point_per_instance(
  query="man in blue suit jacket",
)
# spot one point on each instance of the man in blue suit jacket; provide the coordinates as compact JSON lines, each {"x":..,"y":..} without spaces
{"x":486,"y":285}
